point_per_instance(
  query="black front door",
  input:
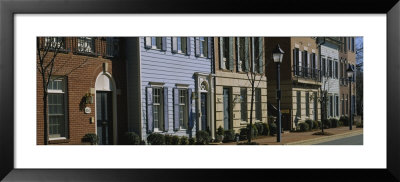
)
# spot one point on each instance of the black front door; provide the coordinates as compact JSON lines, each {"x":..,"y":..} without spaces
{"x":203,"y":111}
{"x":104,"y":118}
{"x":226,"y":109}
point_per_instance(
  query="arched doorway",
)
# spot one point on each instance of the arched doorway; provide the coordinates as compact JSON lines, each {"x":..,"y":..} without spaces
{"x":106,"y":123}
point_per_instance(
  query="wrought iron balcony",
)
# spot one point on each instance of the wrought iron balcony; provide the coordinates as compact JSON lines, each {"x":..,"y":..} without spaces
{"x":86,"y":45}
{"x":307,"y":73}
{"x":111,"y":48}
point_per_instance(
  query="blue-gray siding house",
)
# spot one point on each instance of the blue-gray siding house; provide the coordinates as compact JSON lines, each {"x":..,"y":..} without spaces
{"x":169,"y":80}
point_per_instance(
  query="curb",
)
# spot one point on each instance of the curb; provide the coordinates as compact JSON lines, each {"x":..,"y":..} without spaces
{"x":325,"y":139}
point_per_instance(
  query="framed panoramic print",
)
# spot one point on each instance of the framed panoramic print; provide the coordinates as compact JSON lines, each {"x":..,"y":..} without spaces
{"x":141,"y":91}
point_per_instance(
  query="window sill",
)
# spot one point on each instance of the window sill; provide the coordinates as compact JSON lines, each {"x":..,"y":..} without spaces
{"x":181,"y":53}
{"x":58,"y":140}
{"x":243,"y":123}
{"x":86,"y":54}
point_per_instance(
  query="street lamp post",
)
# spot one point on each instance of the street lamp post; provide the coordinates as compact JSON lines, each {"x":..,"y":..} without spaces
{"x":350,"y":73}
{"x":277,"y":55}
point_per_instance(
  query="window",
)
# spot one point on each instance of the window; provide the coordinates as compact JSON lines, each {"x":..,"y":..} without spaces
{"x":54,"y":42}
{"x":156,"y":42}
{"x":203,"y":46}
{"x":296,"y":62}
{"x":257,"y":55}
{"x":225,"y":51}
{"x":330,"y":68}
{"x":57,"y":108}
{"x":307,"y":104}
{"x":243,"y":50}
{"x":324,"y":67}
{"x":336,"y":69}
{"x":298,"y":112}
{"x":86,"y":44}
{"x":183,"y":119}
{"x":257,"y":102}
{"x":305,"y":61}
{"x":337,"y":105}
{"x":157,"y":109}
{"x":342,"y":104}
{"x":182,"y":44}
{"x":243,"y":104}
{"x":352,"y":44}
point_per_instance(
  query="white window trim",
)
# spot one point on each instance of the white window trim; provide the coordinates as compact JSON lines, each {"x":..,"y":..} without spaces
{"x":179,"y":48}
{"x":201,"y":45}
{"x":57,"y":138}
{"x":154,"y":46}
{"x":62,"y":91}
{"x":185,"y":115}
{"x":161,"y":108}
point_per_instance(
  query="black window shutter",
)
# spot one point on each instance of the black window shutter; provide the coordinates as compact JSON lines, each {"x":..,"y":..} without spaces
{"x":230,"y":56}
{"x":165,"y":107}
{"x":176,"y":109}
{"x":190,"y":119}
{"x":149,"y":100}
{"x":188,"y":46}
{"x":164,"y":43}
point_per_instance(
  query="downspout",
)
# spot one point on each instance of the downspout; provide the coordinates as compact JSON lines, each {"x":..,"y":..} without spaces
{"x":213,"y":94}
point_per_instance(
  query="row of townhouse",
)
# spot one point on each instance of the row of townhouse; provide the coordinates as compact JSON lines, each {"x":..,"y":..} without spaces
{"x":180,"y":85}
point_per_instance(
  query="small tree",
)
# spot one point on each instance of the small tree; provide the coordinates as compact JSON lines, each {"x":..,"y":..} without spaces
{"x":254,"y":72}
{"x":47,"y":50}
{"x":48,"y":46}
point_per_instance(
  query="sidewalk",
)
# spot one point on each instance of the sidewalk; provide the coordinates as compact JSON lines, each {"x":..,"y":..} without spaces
{"x":306,"y":138}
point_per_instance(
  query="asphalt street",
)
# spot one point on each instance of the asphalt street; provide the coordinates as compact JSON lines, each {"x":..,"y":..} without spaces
{"x":353,"y":140}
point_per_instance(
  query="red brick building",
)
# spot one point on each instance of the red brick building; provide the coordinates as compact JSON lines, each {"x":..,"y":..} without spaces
{"x":86,"y":89}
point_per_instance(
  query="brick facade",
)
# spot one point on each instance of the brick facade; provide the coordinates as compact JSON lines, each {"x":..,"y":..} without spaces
{"x":81,"y":72}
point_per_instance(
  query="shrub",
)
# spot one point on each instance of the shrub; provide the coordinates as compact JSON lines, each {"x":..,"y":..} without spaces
{"x":245,"y":131}
{"x":192,"y":141}
{"x":92,"y":138}
{"x":319,"y":124}
{"x":324,"y":133}
{"x":304,"y":127}
{"x":184,"y":140}
{"x":359,"y":125}
{"x":219,"y":138}
{"x":345,"y":120}
{"x":156,"y":139}
{"x":168,"y":139}
{"x":202,"y":138}
{"x":131,"y":138}
{"x":142,"y":142}
{"x":327,"y":123}
{"x":220,"y":131}
{"x":260,"y":128}
{"x":315,"y":125}
{"x":266,"y":129}
{"x":254,"y":132}
{"x":243,"y":134}
{"x":229,"y":135}
{"x":340,"y":123}
{"x":272,"y":129}
{"x":334,"y":122}
{"x":310,"y":123}
{"x":175,"y":140}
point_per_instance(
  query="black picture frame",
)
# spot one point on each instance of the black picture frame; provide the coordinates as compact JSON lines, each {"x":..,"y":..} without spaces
{"x":9,"y":8}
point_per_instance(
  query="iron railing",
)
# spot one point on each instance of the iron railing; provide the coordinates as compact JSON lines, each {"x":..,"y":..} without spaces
{"x":307,"y":73}
{"x":86,"y":45}
{"x":111,"y":48}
